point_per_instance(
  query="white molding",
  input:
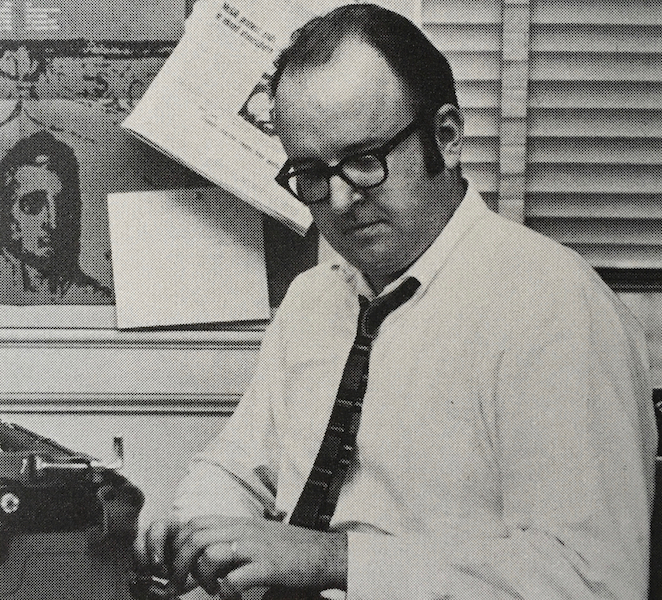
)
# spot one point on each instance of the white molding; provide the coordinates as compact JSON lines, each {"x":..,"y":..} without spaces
{"x":109,"y":372}
{"x":100,"y":404}
{"x":111,"y":338}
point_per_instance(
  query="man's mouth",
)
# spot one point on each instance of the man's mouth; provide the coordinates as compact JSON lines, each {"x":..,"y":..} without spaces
{"x":366,"y":229}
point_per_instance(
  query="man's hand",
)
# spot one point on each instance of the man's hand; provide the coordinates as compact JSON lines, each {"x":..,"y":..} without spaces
{"x":227,"y":555}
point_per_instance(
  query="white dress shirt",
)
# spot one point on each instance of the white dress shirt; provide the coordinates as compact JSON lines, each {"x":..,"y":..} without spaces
{"x":506,"y":446}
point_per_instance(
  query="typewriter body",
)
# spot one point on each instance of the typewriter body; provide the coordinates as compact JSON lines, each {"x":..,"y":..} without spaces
{"x":67,"y":521}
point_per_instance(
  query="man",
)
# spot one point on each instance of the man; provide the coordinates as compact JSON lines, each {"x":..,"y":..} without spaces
{"x":40,"y":226}
{"x":506,"y":438}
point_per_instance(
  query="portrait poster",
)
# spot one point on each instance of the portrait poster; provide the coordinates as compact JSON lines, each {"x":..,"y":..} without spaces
{"x":70,"y":72}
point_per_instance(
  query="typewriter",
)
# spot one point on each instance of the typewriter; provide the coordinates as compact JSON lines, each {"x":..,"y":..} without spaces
{"x":67,"y":521}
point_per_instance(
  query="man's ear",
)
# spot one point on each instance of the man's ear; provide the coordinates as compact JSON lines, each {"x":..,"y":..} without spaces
{"x":449,"y":134}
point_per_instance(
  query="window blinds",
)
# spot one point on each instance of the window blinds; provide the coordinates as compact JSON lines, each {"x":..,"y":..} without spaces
{"x":469,"y":35}
{"x":594,"y":172}
{"x":592,"y":116}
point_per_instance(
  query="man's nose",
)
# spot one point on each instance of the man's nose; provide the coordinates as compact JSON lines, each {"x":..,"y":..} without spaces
{"x":50,"y":216}
{"x":342,"y":195}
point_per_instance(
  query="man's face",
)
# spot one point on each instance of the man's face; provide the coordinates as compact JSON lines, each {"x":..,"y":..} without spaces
{"x":33,"y":210}
{"x":352,"y":103}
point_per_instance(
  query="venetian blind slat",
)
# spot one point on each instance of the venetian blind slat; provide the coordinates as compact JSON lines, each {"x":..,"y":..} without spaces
{"x":594,"y":66}
{"x":465,"y":37}
{"x":627,"y":232}
{"x":478,"y":94}
{"x":484,"y":176}
{"x":466,"y":12}
{"x":596,"y":205}
{"x":617,"y":95}
{"x":600,"y":151}
{"x":596,"y":12}
{"x":480,"y":150}
{"x":629,"y":256}
{"x":589,"y":123}
{"x":581,"y":178}
{"x":481,"y":123}
{"x":474,"y":66}
{"x":597,"y":37}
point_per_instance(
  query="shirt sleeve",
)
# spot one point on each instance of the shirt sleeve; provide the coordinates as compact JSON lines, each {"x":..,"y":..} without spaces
{"x":573,"y":436}
{"x":236,"y":474}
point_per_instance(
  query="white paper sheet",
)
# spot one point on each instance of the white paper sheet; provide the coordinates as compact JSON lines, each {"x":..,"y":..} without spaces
{"x":185,"y":257}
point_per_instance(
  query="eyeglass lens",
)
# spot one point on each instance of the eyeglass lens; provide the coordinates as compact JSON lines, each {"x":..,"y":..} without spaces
{"x":361,"y":171}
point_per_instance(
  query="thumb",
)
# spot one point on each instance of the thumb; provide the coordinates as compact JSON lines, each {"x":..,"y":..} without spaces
{"x":250,"y":575}
{"x":139,"y":548}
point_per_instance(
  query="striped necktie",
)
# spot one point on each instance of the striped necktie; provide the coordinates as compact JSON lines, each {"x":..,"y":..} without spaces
{"x":320,"y":493}
{"x":322,"y":489}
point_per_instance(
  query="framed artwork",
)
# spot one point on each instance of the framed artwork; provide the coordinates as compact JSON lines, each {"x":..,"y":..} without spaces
{"x":70,"y":72}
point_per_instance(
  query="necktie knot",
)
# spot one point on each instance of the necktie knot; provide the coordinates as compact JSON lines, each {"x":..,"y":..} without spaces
{"x":372,"y":314}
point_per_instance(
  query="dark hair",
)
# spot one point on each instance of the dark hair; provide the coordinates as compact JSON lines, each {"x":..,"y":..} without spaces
{"x":411,"y":55}
{"x":61,"y":161}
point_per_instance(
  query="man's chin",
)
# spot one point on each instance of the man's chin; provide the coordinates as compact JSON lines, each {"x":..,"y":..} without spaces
{"x":376,"y":257}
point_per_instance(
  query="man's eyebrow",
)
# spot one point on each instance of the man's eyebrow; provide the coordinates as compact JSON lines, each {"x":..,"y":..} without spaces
{"x":296,"y":163}
{"x":367,"y":144}
{"x":350,"y":149}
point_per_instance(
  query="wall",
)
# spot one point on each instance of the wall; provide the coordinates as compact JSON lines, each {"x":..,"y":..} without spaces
{"x":165,"y":398}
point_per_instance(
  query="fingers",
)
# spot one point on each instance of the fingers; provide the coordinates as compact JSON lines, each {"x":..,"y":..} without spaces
{"x":203,"y":548}
{"x":194,"y":555}
{"x":209,"y":522}
{"x":237,"y":578}
{"x":155,"y":554}
{"x":229,"y":555}
{"x":257,"y":574}
{"x":140,"y":551}
{"x":226,"y":591}
{"x":213,"y":564}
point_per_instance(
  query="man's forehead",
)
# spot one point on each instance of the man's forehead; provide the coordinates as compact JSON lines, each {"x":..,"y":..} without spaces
{"x":355,"y":67}
{"x":36,"y":177}
{"x":357,"y":82}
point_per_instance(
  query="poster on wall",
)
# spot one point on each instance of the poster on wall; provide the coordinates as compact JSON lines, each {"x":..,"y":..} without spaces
{"x":70,"y":72}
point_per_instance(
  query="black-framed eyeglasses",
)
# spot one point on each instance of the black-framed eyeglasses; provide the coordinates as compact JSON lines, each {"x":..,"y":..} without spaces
{"x":363,"y":170}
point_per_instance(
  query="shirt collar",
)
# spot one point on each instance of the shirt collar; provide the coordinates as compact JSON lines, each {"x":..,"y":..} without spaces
{"x":471,"y":209}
